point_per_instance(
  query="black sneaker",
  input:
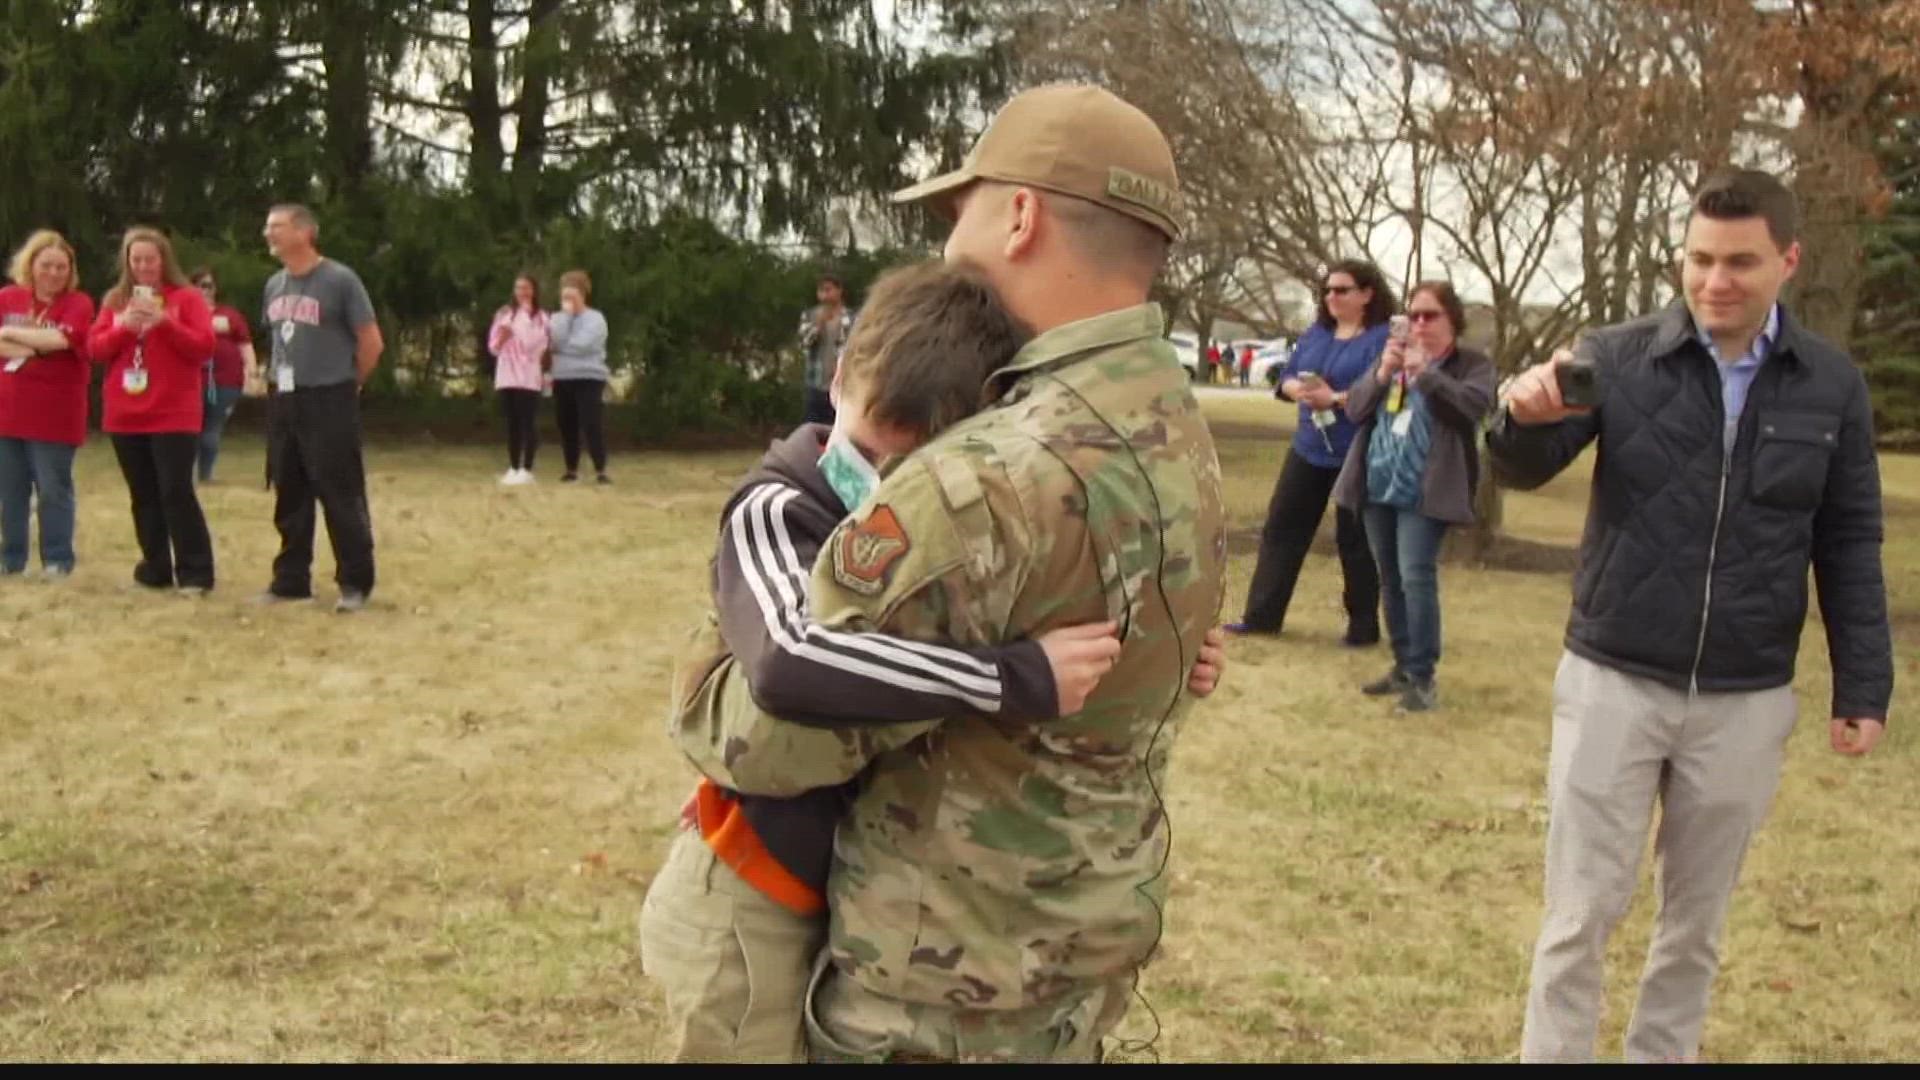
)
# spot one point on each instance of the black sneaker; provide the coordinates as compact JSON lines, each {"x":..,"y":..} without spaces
{"x":1420,"y":697}
{"x":350,"y":601}
{"x":570,"y":478}
{"x":1393,"y":682}
{"x":603,"y":478}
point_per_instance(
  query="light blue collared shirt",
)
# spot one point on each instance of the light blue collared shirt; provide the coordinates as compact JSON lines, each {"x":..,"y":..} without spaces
{"x":1737,"y":378}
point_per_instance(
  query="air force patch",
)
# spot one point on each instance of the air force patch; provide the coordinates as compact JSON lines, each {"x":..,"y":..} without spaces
{"x":865,"y":553}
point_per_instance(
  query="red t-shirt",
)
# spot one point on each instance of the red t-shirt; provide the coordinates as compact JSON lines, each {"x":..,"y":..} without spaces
{"x":45,"y":400}
{"x":229,"y":367}
{"x":173,"y":353}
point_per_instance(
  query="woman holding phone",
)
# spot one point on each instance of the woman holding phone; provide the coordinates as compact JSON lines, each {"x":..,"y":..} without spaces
{"x":1340,"y":348}
{"x":154,"y":334}
{"x":520,"y":342}
{"x":1412,"y":471}
{"x":580,"y":375}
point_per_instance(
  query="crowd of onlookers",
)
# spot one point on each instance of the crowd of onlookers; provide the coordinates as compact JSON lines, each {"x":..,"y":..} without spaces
{"x":175,"y":361}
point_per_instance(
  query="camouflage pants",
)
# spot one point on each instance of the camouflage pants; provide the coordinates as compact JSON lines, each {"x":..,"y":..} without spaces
{"x":849,"y":1024}
{"x":732,"y":963}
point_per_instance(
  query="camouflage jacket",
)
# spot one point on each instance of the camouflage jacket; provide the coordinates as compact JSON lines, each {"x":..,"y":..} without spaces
{"x":988,"y":862}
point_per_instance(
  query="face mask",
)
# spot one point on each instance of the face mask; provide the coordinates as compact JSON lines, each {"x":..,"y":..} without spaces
{"x":848,"y":471}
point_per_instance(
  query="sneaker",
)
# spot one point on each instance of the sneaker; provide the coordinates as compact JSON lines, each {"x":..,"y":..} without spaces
{"x":604,"y":480}
{"x":271,"y":598}
{"x":510,"y":478}
{"x":191,"y":592}
{"x":1361,"y":639}
{"x":56,"y":573}
{"x":1420,"y":697}
{"x":12,"y":571}
{"x":350,"y":602}
{"x":1394,"y":682}
{"x":1248,"y":628}
{"x":521,"y":477}
{"x":570,"y":478}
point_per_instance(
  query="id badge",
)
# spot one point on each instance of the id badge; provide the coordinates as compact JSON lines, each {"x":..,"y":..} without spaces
{"x":134,"y":381}
{"x":284,"y":381}
{"x":1403,"y":423}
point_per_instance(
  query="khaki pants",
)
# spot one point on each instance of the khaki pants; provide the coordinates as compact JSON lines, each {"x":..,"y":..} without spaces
{"x":1620,"y":743}
{"x":849,"y":1024}
{"x":733,"y":964}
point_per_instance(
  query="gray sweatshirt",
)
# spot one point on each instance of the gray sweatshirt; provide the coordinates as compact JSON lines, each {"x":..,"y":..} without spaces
{"x":579,"y":345}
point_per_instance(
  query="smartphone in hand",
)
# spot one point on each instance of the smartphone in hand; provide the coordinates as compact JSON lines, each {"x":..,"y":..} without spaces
{"x":1579,"y":381}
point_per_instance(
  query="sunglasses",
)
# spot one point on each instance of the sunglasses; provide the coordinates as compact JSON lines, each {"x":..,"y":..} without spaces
{"x":1341,"y":290}
{"x":1425,"y":316}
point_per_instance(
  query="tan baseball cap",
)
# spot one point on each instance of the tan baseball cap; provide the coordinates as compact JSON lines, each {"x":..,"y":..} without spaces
{"x":1077,"y":140}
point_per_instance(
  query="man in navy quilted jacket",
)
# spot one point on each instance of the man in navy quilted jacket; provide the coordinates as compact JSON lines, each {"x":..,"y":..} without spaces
{"x":1735,"y":450}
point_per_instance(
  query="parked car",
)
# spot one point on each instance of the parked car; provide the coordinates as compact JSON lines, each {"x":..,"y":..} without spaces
{"x":1269,"y":361}
{"x":1187,"y":348}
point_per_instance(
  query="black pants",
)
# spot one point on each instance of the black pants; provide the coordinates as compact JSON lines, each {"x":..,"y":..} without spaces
{"x":523,"y":426}
{"x":818,"y":407}
{"x":576,"y":404}
{"x":175,"y":547}
{"x":269,"y":415}
{"x":1299,"y":502}
{"x":315,"y":447}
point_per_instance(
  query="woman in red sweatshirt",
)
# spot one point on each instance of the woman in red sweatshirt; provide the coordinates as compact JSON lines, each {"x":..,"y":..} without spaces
{"x":154,"y":334}
{"x":44,"y":319}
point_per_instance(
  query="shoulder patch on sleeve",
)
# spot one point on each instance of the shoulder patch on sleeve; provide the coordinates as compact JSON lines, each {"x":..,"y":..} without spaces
{"x":865,"y":554}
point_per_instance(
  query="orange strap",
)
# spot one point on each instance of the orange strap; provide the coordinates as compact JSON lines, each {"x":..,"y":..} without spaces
{"x":727,"y":831}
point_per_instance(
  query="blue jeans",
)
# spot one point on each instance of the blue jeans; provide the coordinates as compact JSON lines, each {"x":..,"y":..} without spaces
{"x":219,"y":408}
{"x":28,"y":468}
{"x":1406,"y":546}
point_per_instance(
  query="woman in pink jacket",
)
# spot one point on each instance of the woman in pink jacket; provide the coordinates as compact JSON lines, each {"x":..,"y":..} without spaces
{"x":519,"y":344}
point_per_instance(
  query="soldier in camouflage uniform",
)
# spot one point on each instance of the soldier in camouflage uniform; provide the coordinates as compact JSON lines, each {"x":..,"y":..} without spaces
{"x":998,"y":884}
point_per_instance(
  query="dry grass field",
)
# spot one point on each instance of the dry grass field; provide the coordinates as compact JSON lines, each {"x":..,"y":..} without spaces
{"x":422,"y":833}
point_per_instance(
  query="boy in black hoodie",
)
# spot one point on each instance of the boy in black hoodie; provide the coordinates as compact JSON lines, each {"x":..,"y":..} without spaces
{"x":733,"y":920}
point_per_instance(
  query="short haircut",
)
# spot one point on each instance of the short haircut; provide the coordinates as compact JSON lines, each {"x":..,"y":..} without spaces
{"x":577,"y":279}
{"x":202,"y":271}
{"x":1109,"y":238}
{"x":22,"y":269}
{"x":1735,"y":194}
{"x":1443,"y":293}
{"x":301,"y":214}
{"x":925,"y":343}
{"x":830,"y":277}
{"x":1366,"y":276}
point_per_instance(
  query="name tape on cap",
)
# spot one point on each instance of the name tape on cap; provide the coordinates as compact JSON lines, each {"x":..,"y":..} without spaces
{"x":1130,"y":186}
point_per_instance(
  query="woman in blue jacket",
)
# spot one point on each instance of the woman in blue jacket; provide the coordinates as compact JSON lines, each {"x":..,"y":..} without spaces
{"x":1342,"y":346}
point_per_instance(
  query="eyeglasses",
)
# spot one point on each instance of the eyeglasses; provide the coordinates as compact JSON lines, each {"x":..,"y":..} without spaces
{"x":1341,"y":290}
{"x":1425,"y":316}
